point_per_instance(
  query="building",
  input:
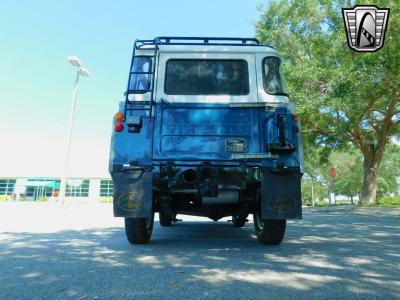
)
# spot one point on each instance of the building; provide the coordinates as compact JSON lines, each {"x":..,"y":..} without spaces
{"x":47,"y":188}
{"x":33,"y":173}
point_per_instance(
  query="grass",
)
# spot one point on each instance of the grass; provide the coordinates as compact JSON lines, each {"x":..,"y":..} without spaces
{"x":321,"y":204}
{"x":326,"y":204}
{"x":386,"y":201}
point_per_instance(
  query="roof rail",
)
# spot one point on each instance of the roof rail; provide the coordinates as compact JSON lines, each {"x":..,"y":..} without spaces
{"x":175,"y":40}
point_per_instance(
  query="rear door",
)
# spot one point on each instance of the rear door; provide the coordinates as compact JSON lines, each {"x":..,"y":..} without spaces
{"x":202,"y":111}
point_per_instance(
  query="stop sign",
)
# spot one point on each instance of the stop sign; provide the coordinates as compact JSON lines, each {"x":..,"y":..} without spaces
{"x":332,"y":173}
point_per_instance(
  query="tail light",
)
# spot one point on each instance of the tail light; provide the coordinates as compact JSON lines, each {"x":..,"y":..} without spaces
{"x":118,"y":126}
{"x":119,"y":117}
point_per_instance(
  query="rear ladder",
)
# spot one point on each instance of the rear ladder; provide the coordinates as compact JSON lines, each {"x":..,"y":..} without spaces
{"x":142,"y":105}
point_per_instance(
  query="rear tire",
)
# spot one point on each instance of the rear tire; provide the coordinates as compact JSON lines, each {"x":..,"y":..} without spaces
{"x":239,"y":221}
{"x":166,"y":221}
{"x":139,"y":230}
{"x":269,"y":232}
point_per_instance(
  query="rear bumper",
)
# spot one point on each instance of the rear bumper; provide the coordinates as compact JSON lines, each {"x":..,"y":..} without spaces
{"x":280,"y":191}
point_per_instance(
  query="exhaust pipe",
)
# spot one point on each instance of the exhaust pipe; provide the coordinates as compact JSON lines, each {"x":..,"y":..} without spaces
{"x":190,"y":175}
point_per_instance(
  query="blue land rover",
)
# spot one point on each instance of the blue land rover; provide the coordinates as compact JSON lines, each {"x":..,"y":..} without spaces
{"x":206,"y":128}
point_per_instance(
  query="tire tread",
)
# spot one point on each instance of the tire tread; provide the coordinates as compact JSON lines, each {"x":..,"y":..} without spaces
{"x":272,"y":232}
{"x":136,"y":230}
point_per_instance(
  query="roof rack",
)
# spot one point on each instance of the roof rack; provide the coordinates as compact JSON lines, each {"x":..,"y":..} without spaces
{"x":175,"y":40}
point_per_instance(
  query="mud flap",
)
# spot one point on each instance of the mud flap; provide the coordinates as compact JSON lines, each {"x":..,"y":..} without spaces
{"x":133,"y":193}
{"x":281,"y":195}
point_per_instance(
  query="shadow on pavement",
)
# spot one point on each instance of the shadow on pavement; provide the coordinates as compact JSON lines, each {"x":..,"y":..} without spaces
{"x":323,"y":256}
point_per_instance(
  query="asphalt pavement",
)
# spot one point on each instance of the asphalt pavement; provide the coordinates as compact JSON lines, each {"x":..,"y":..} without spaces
{"x":80,"y":252}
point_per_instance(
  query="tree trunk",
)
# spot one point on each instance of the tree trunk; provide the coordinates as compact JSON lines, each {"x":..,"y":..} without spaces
{"x":312,"y":193}
{"x":370,"y":181}
{"x":373,"y":150}
{"x":330,"y":196}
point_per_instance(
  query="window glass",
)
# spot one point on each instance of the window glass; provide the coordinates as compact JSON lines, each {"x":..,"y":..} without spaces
{"x":30,"y":191}
{"x":140,"y":82}
{"x":7,"y":186}
{"x":42,"y":187}
{"x":77,"y":188}
{"x":106,"y":188}
{"x":274,"y":82}
{"x":207,"y":77}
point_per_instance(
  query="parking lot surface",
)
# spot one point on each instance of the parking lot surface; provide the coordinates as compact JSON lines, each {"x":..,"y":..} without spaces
{"x":80,"y":252}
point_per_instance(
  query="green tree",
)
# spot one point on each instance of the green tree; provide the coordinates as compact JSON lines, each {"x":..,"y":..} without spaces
{"x":349,"y":172}
{"x":312,"y":191}
{"x":389,"y":172}
{"x":348,"y":165}
{"x":315,"y":185}
{"x":341,"y":95}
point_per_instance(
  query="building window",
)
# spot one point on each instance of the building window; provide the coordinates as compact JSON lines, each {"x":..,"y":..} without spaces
{"x":106,"y":188}
{"x":42,"y":187}
{"x":77,"y":188}
{"x":7,"y":186}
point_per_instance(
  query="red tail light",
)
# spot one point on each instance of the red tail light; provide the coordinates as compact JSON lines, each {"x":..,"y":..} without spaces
{"x":118,"y":126}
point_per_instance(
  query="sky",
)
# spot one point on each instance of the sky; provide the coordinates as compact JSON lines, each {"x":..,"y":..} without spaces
{"x":36,"y":80}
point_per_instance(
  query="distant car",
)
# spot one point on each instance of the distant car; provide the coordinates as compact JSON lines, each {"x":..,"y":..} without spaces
{"x":206,"y":129}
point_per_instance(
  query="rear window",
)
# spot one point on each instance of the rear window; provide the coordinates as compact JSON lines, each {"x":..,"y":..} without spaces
{"x":274,"y":82}
{"x":207,"y":77}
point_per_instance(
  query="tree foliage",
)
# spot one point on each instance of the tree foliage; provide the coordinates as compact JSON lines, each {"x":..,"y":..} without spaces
{"x":348,"y":165}
{"x":343,"y":97}
{"x":349,"y":172}
{"x":389,"y":172}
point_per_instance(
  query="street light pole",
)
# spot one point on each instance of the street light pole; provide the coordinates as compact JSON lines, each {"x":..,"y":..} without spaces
{"x":74,"y":60}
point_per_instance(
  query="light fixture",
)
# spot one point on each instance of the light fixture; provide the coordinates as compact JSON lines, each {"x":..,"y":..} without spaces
{"x":74,"y":60}
{"x":84,"y":72}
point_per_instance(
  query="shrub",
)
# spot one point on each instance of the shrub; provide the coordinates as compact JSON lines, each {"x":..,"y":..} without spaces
{"x":321,"y":203}
{"x":4,"y":197}
{"x":106,"y":199}
{"x":41,"y":199}
{"x":389,"y":201}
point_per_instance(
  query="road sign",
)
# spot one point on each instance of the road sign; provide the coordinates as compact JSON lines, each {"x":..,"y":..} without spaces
{"x":332,"y":173}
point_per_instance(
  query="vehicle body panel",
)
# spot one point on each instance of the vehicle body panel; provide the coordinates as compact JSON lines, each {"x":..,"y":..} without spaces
{"x":231,"y":146}
{"x":199,"y":132}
